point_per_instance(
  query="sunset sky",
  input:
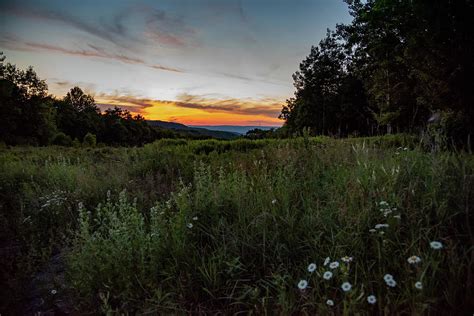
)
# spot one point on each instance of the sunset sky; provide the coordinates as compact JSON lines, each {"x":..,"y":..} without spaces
{"x":197,"y":62}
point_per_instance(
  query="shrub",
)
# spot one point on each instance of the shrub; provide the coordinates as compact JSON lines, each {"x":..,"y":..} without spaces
{"x":62,"y":139}
{"x":89,"y":140}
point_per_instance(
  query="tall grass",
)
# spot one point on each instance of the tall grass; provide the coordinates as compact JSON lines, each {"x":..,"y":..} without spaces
{"x":206,"y":226}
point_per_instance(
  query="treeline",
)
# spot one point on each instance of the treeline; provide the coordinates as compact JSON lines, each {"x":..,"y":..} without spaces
{"x":29,"y":116}
{"x":400,"y":66}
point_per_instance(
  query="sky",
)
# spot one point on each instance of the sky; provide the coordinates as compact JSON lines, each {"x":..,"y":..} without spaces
{"x":196,"y":62}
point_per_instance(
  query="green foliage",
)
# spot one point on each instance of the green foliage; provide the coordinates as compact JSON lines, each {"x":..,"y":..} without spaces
{"x":393,"y":67}
{"x":89,"y":140}
{"x":62,"y":139}
{"x":261,"y":211}
{"x":239,"y":236}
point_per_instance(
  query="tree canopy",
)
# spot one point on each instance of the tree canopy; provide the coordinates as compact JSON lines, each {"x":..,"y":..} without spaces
{"x":395,"y":66}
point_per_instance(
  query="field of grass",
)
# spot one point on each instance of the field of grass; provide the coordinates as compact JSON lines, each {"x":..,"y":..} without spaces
{"x":241,"y":226}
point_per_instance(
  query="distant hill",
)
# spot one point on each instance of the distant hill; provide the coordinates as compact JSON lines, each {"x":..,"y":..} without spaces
{"x":200,"y":131}
{"x":242,"y":130}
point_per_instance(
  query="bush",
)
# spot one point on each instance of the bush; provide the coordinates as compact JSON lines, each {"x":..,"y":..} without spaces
{"x":89,"y":140}
{"x":62,"y":139}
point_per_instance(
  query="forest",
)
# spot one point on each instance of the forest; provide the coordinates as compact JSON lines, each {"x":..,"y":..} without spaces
{"x":400,"y":66}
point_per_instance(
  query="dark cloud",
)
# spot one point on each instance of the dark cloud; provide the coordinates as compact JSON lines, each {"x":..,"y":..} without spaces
{"x":159,"y":67}
{"x":267,"y":107}
{"x":132,"y":104}
{"x":133,"y":109}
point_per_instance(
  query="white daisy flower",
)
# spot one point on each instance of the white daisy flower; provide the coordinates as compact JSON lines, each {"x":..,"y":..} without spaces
{"x":312,"y":267}
{"x":274,"y":201}
{"x":334,"y":265}
{"x":388,"y":277}
{"x":391,"y":283}
{"x":330,"y":302}
{"x":195,"y":218}
{"x":302,"y":284}
{"x":327,"y":275}
{"x":419,"y":285}
{"x":54,"y":292}
{"x":346,"y":259}
{"x":372,"y":230}
{"x":346,"y":286}
{"x":326,"y":261}
{"x":189,"y":225}
{"x":371,"y":299}
{"x":414,"y":260}
{"x":383,"y":203}
{"x":378,"y":226}
{"x":436,"y":245}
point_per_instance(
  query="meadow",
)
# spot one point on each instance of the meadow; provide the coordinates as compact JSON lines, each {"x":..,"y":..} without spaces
{"x":307,"y":225}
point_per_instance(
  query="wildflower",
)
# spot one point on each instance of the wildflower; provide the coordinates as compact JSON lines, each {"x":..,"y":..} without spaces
{"x":326,"y":261}
{"x":436,"y":245}
{"x":54,"y":292}
{"x":383,"y":203}
{"x":274,"y":201}
{"x":371,"y":299}
{"x":388,"y":277}
{"x":419,"y":285}
{"x":302,"y":284}
{"x":391,"y":283}
{"x":334,"y":265}
{"x":327,"y":275}
{"x":195,"y":218}
{"x":414,"y":260}
{"x":330,"y":302}
{"x":346,"y":286}
{"x":312,"y":267}
{"x":346,"y":259}
{"x":189,"y":225}
{"x":378,"y":226}
{"x":372,"y":230}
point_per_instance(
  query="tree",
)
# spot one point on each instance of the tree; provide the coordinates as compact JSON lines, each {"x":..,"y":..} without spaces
{"x":327,"y":96}
{"x":78,"y":114}
{"x":394,"y":66}
{"x":26,"y":115}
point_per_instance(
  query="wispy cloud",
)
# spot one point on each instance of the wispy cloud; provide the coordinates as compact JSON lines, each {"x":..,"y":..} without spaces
{"x":111,"y":32}
{"x":160,"y":26}
{"x":14,"y":43}
{"x":166,"y":29}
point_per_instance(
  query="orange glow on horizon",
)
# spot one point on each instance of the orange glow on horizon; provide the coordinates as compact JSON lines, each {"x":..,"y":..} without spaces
{"x":199,"y":111}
